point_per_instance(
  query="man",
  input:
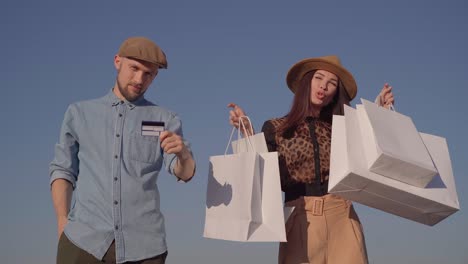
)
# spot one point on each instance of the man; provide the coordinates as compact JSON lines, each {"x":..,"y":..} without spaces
{"x":109,"y":155}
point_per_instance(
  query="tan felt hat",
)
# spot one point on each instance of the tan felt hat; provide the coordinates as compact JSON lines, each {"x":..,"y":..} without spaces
{"x":327,"y":63}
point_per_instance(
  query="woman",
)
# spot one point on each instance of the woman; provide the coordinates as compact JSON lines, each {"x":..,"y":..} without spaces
{"x":323,"y":228}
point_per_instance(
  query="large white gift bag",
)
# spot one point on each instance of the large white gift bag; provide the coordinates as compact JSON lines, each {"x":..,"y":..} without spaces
{"x":351,"y":178}
{"x":392,"y":145}
{"x":244,"y":201}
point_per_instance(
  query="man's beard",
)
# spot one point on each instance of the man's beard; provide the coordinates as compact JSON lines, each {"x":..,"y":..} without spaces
{"x":126,"y":92}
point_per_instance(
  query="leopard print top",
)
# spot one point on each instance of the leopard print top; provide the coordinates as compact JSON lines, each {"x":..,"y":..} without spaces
{"x":296,"y":153}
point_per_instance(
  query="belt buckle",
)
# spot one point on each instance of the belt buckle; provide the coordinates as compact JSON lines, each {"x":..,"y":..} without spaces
{"x":318,"y":207}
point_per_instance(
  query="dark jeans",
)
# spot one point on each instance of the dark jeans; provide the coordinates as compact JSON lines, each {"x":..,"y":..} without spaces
{"x":68,"y":253}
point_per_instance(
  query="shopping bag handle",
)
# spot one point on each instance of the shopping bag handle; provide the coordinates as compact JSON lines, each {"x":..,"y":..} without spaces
{"x":241,"y":123}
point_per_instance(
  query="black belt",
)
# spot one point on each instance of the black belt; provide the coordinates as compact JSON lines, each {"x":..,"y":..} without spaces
{"x":305,"y":189}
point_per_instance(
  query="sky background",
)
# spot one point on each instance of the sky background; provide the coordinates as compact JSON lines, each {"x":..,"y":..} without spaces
{"x":58,"y":52}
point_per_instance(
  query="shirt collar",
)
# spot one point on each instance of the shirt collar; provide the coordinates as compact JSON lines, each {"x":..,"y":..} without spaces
{"x":112,"y":99}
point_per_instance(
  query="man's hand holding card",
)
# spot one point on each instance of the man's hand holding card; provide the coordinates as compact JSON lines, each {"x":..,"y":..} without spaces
{"x":172,"y":143}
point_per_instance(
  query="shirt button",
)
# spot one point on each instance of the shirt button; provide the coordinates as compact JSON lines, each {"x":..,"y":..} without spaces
{"x":116,"y":179}
{"x":115,"y":202}
{"x":120,"y":115}
{"x":121,"y":102}
{"x":118,"y":135}
{"x":116,"y":156}
{"x":116,"y":227}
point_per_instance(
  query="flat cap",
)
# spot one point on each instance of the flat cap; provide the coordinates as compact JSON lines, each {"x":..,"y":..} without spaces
{"x":143,"y":49}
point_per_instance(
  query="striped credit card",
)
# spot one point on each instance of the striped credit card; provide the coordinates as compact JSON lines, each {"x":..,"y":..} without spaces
{"x":151,"y":128}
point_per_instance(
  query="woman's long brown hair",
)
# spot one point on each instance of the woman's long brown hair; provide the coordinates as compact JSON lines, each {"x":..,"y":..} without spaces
{"x":302,"y":106}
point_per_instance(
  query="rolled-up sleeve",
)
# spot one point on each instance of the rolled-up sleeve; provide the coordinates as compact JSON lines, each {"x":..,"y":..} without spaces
{"x":174,"y":125}
{"x":66,"y":163}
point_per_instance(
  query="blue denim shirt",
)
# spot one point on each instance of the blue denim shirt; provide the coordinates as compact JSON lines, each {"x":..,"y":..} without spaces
{"x":113,"y":170}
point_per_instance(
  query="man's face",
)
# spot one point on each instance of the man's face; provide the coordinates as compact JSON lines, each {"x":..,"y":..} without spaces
{"x":133,"y":77}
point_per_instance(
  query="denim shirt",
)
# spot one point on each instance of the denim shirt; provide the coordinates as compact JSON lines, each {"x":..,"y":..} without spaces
{"x":113,"y":170}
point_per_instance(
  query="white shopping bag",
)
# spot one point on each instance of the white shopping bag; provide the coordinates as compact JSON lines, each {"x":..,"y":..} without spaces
{"x":392,"y":145}
{"x":244,"y":201}
{"x":351,"y":179}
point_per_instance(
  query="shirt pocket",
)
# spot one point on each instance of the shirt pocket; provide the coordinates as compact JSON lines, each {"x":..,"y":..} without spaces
{"x":146,"y":149}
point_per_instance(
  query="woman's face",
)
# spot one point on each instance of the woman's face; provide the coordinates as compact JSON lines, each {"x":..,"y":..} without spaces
{"x":323,"y":88}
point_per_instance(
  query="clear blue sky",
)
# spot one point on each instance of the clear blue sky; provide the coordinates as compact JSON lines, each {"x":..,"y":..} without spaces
{"x":58,"y":52}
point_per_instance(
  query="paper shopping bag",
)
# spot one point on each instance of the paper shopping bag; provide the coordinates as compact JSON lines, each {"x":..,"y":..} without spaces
{"x":244,"y":201}
{"x":351,"y":178}
{"x":257,"y":142}
{"x":392,"y":145}
{"x":232,"y":203}
{"x":272,"y":227}
{"x":253,"y":142}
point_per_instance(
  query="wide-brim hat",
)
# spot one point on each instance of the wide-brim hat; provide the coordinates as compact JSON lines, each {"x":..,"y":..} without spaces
{"x":327,"y":63}
{"x":143,"y":49}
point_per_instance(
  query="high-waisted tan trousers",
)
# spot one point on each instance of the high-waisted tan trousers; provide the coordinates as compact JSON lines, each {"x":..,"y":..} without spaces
{"x":323,"y":230}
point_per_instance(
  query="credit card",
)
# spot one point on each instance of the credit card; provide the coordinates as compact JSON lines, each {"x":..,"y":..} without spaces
{"x":152,"y":128}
